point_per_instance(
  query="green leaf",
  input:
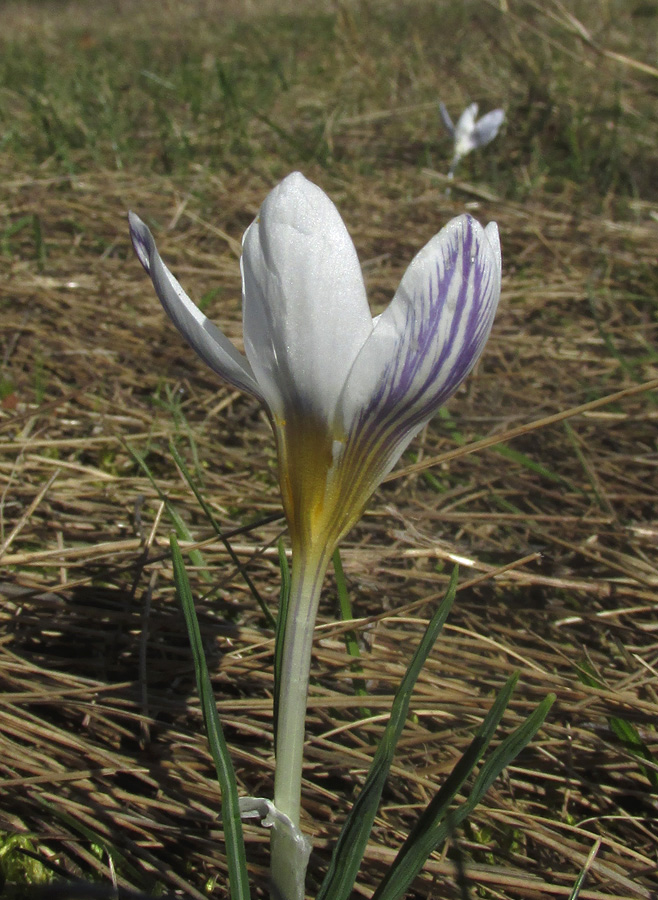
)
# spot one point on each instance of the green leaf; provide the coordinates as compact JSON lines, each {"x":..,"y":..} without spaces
{"x":580,"y":881}
{"x":421,"y":842}
{"x":433,"y":837}
{"x":503,"y":450}
{"x":180,"y":462}
{"x":235,"y":850}
{"x":346,"y":615}
{"x":351,"y":845}
{"x":623,"y":729}
{"x":523,"y":460}
{"x":182,"y":531}
{"x":345,"y":605}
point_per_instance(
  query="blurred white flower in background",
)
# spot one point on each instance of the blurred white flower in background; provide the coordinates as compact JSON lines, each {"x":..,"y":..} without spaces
{"x":470,"y":134}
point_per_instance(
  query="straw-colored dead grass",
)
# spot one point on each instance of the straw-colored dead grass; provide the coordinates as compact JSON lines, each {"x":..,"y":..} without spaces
{"x":100,"y":723}
{"x":102,"y":753}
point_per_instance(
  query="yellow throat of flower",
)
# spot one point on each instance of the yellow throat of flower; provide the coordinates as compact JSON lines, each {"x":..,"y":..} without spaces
{"x":326,"y":480}
{"x":305,"y":472}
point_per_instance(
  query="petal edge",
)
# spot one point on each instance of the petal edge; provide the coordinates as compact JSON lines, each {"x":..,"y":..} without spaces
{"x":211,"y":344}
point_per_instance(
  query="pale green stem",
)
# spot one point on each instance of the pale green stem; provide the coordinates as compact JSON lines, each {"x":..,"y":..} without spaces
{"x":288,"y":856}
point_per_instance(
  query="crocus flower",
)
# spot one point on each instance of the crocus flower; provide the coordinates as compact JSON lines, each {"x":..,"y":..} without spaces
{"x":468,"y":134}
{"x":345,"y":394}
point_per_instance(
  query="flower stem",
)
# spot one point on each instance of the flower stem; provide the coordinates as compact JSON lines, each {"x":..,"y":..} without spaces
{"x":289,"y":853}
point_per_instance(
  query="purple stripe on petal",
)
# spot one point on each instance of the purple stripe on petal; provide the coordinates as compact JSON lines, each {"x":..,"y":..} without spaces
{"x":427,"y":342}
{"x":142,"y":240}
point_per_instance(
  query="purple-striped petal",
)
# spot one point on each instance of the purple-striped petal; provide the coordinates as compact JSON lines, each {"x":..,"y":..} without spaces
{"x":210,"y":343}
{"x":427,"y":340}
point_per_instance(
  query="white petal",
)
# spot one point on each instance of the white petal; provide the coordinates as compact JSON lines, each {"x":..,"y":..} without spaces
{"x":467,"y":119}
{"x":427,"y":340}
{"x":213,"y":347}
{"x":305,"y":309}
{"x":487,"y":128}
{"x":464,"y":131}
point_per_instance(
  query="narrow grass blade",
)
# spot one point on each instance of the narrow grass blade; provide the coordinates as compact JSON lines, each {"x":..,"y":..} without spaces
{"x":624,"y":730}
{"x":523,"y":460}
{"x":588,"y":469}
{"x":420,"y":841}
{"x":345,"y":605}
{"x":608,"y":340}
{"x":39,"y":243}
{"x":181,"y":529}
{"x":433,"y":837}
{"x":580,"y":881}
{"x":506,"y":452}
{"x":428,"y":477}
{"x":351,"y":845}
{"x":128,"y":870}
{"x":346,"y":615}
{"x":180,"y":462}
{"x":284,"y":599}
{"x":11,"y":230}
{"x":235,"y":850}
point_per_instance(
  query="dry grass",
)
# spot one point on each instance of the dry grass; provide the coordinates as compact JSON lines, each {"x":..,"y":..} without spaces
{"x":101,"y":747}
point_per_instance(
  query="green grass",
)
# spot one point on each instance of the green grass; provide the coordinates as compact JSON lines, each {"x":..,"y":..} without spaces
{"x":282,"y":91}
